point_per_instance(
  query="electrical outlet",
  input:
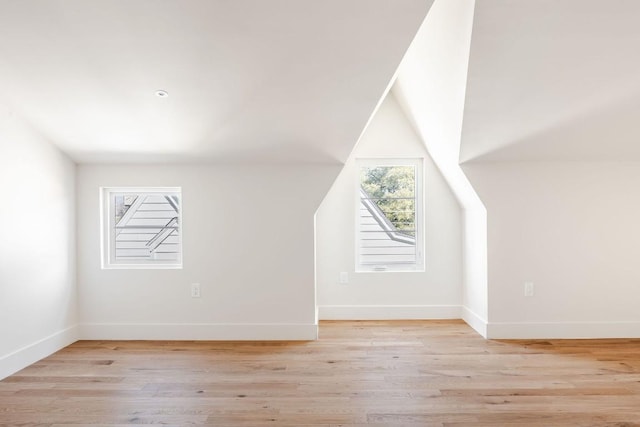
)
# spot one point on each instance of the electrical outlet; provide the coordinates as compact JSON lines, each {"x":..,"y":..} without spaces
{"x":528,"y":289}
{"x":344,"y":277}
{"x":195,"y":290}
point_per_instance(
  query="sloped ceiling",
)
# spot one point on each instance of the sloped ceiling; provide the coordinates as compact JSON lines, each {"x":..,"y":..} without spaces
{"x":248,"y":80}
{"x":553,"y":79}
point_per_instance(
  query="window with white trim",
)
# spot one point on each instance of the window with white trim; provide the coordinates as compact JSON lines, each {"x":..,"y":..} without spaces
{"x":142,"y":227}
{"x":389,"y":230}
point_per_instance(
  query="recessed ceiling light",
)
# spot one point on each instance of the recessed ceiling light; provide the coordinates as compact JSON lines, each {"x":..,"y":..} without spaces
{"x":162,"y":93}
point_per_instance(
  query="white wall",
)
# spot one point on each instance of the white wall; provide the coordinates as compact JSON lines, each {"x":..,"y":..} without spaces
{"x":572,"y":229}
{"x":248,"y":239}
{"x":37,"y":248}
{"x":435,"y":293}
{"x":431,"y":88}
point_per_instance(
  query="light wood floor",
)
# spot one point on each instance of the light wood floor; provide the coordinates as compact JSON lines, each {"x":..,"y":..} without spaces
{"x":420,"y":373}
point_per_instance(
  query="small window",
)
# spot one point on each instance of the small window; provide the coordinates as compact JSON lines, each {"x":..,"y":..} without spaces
{"x":142,"y":228}
{"x":389,"y":219}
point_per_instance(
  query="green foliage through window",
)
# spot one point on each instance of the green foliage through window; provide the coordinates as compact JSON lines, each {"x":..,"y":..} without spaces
{"x":392,"y":189}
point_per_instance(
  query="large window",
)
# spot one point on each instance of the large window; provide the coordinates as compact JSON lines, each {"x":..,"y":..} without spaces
{"x":389,"y":219}
{"x":141,"y":228}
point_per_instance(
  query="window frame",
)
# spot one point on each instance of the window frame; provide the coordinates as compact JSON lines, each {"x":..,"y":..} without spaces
{"x":107,"y":223}
{"x":419,"y":265}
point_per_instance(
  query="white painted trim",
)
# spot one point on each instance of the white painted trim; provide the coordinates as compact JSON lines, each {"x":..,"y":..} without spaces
{"x":199,"y":331}
{"x":563,"y":330}
{"x":476,"y":322}
{"x":25,"y":356}
{"x":388,"y":312}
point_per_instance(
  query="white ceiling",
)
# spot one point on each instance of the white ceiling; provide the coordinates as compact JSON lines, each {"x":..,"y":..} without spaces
{"x":249,"y":80}
{"x":553,"y":79}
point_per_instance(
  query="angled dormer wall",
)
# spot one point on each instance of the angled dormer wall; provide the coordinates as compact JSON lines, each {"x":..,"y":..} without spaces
{"x":433,"y":293}
{"x":430,"y":87}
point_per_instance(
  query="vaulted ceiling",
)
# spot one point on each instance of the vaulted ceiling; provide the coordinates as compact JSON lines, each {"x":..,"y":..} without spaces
{"x":289,"y":81}
{"x":553,"y":80}
{"x":248,"y":80}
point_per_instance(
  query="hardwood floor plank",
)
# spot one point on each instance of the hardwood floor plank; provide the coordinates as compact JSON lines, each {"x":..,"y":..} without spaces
{"x":401,"y":373}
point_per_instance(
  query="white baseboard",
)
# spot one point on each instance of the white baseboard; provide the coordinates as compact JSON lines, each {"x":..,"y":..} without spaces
{"x":25,"y":356}
{"x":563,"y":330}
{"x":388,"y":312}
{"x":476,"y":322}
{"x":198,"y":331}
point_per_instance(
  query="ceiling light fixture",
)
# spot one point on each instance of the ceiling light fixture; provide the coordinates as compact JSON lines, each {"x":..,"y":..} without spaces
{"x":162,"y":94}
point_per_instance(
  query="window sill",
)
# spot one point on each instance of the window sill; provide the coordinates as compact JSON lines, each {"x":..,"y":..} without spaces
{"x":417,"y":270}
{"x":142,"y":267}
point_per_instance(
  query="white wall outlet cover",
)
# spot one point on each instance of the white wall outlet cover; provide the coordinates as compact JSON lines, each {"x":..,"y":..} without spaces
{"x":344,"y":277}
{"x":195,"y":290}
{"x":528,"y":289}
